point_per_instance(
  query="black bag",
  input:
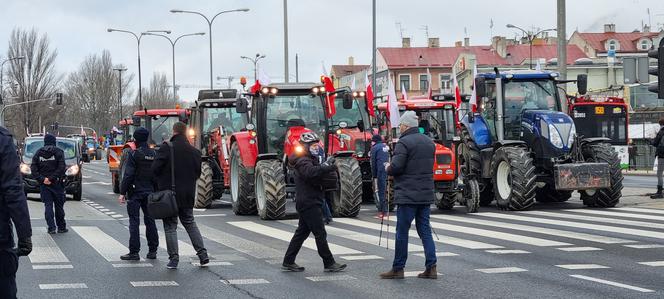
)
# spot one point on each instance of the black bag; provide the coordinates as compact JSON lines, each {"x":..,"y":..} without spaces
{"x":163,"y":204}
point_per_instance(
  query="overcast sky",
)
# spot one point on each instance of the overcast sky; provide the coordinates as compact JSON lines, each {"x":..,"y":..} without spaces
{"x":320,"y":31}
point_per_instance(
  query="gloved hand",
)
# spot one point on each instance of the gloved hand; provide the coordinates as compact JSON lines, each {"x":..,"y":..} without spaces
{"x":330,"y":161}
{"x":24,"y":247}
{"x":386,"y":165}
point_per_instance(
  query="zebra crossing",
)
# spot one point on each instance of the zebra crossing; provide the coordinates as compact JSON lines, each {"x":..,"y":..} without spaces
{"x":242,"y":241}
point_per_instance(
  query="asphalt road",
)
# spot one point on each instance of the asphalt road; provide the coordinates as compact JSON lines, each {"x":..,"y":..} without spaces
{"x":552,"y":251}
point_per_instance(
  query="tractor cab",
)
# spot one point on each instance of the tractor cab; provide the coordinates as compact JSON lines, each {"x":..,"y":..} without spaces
{"x":159,"y":122}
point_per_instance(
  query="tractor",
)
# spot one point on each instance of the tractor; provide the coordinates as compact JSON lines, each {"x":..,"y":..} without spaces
{"x":213,"y":120}
{"x":261,"y":181}
{"x":521,"y":146}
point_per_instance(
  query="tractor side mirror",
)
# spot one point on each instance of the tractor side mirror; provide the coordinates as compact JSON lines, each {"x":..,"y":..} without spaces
{"x":480,"y":87}
{"x":348,"y":101}
{"x":242,"y":105}
{"x":582,"y":83}
{"x":136,"y":121}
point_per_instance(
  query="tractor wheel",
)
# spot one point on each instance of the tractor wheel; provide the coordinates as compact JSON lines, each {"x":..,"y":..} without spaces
{"x":98,"y":154}
{"x":550,"y":194}
{"x":513,"y":178}
{"x":348,"y":199}
{"x":468,"y":155}
{"x":242,"y":185}
{"x":607,"y":197}
{"x":116,"y":183}
{"x":471,"y":194}
{"x":204,"y":194}
{"x":444,"y":201}
{"x":270,"y":190}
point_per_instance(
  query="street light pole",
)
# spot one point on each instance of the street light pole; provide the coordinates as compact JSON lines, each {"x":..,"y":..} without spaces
{"x":138,"y":46}
{"x":120,"y":70}
{"x":531,"y":37}
{"x":255,"y":62}
{"x":2,"y":72}
{"x":173,"y":43}
{"x":286,"y":40}
{"x":209,"y":21}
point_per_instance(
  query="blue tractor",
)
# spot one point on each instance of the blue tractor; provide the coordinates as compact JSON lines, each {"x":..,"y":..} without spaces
{"x":521,"y":147}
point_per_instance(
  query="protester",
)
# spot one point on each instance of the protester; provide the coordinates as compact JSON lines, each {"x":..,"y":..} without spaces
{"x":137,"y":183}
{"x":13,"y":209}
{"x":188,"y":165}
{"x":48,"y":168}
{"x":412,"y":170}
{"x":379,"y":156}
{"x":658,"y":143}
{"x":309,"y":198}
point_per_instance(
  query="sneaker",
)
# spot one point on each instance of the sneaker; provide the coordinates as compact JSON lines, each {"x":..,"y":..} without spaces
{"x":63,"y":230}
{"x":336,"y":267}
{"x":172,"y":264}
{"x":130,"y":257}
{"x":204,"y":259}
{"x":292,"y":267}
{"x":51,"y":231}
{"x":151,"y":255}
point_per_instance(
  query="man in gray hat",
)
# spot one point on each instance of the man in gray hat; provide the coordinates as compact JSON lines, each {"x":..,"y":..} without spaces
{"x":412,"y":170}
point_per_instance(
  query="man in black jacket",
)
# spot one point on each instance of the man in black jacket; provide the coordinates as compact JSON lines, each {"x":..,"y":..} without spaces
{"x":48,"y":168}
{"x":138,"y":182}
{"x":188,"y":169}
{"x":13,"y":209}
{"x":309,"y":199}
{"x":412,"y":170}
{"x":658,"y":143}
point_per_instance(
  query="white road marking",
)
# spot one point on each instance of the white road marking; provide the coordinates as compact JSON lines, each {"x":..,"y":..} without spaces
{"x":361,"y":257}
{"x":645,"y":246}
{"x":579,"y":249}
{"x":44,"y":248}
{"x":246,"y":281}
{"x":448,"y":240}
{"x":51,"y":267}
{"x":653,"y":264}
{"x":616,"y":214}
{"x":133,"y":265}
{"x":104,"y":244}
{"x":103,"y":210}
{"x":212,"y":263}
{"x":86,"y":176}
{"x":330,"y":278}
{"x":501,"y":270}
{"x":199,"y":210}
{"x":109,"y":213}
{"x":642,"y":210}
{"x":414,"y":273}
{"x":162,"y":283}
{"x":97,"y":183}
{"x":507,"y":251}
{"x":111,"y":193}
{"x":601,"y":219}
{"x":286,"y":236}
{"x":184,"y":249}
{"x":612,"y":283}
{"x":241,"y":244}
{"x":582,"y":266}
{"x":439,"y":254}
{"x":59,"y":286}
{"x":211,"y":215}
{"x":537,"y":229}
{"x":117,"y":216}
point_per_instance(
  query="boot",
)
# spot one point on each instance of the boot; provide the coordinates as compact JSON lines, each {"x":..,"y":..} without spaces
{"x":659,"y":194}
{"x":429,"y":273}
{"x":336,"y":267}
{"x":132,"y":256}
{"x":291,"y":267}
{"x":392,"y":274}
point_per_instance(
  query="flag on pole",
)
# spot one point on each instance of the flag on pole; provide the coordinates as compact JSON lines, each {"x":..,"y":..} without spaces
{"x":370,"y":95}
{"x":538,"y":66}
{"x":329,"y":95}
{"x":82,"y":131}
{"x":473,"y":97}
{"x":322,"y":63}
{"x":404,"y":94}
{"x":430,"y":90}
{"x":392,"y":105}
{"x":457,"y":91}
{"x":262,"y":80}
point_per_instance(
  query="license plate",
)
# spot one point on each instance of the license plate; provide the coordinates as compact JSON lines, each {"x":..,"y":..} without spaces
{"x":582,"y":176}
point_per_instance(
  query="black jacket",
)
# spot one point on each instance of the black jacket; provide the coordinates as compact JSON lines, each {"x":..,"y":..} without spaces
{"x":657,"y":143}
{"x":187,"y":170}
{"x":308,"y":174}
{"x":13,"y":204}
{"x":48,"y":162}
{"x":379,"y":155}
{"x":138,"y":179}
{"x":412,"y":168}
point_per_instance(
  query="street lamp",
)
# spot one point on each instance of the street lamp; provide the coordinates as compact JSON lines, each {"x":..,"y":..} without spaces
{"x":209,"y":21}
{"x":2,"y":82}
{"x":120,"y":70}
{"x":138,"y":47}
{"x":173,"y":43}
{"x":531,"y":37}
{"x":255,"y":62}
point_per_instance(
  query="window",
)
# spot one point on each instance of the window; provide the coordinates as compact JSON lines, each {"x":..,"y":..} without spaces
{"x":445,"y":82}
{"x":644,"y":44}
{"x":424,"y":82}
{"x":404,"y":80}
{"x":612,"y":45}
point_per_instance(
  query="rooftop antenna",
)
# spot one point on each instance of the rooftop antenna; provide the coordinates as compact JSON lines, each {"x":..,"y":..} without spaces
{"x":649,"y":19}
{"x":400,"y":29}
{"x":491,"y":27}
{"x":465,"y":31}
{"x":425,"y":28}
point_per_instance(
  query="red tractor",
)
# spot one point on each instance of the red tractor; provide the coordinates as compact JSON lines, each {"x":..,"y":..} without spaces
{"x":438,"y":120}
{"x":214,"y":119}
{"x":261,"y":181}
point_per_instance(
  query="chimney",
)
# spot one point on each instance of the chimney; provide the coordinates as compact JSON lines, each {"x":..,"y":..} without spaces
{"x":434,"y":42}
{"x":458,"y":44}
{"x":609,"y":28}
{"x":351,"y":60}
{"x":499,"y":44}
{"x":646,"y":28}
{"x":405,"y":42}
{"x":466,"y":42}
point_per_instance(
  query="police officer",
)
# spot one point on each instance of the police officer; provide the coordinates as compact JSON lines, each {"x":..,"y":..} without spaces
{"x":48,"y":167}
{"x":379,"y":156}
{"x":309,"y":198}
{"x":137,"y":183}
{"x":13,"y":208}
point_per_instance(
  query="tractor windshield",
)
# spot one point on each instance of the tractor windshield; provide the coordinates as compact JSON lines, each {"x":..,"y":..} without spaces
{"x":351,"y":116}
{"x":285,"y":111}
{"x":521,"y":96}
{"x":226,"y":117}
{"x":162,"y":128}
{"x":601,"y":120}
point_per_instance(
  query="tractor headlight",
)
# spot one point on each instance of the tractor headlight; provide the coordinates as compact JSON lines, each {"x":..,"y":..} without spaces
{"x":572,"y":133}
{"x":25,"y":169}
{"x":554,"y":137}
{"x":299,"y":149}
{"x":72,"y":170}
{"x":191,"y":132}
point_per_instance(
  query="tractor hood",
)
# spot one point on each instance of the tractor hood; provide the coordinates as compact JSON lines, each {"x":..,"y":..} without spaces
{"x":556,"y":127}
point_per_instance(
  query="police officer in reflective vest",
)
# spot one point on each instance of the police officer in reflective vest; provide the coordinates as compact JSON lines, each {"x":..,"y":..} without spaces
{"x":137,"y":183}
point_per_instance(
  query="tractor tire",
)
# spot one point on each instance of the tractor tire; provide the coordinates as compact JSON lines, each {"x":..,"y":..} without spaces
{"x":98,"y":155}
{"x":471,"y":195}
{"x":513,"y":175}
{"x":348,"y":199}
{"x":78,"y":194}
{"x":444,"y":201}
{"x":204,"y":194}
{"x":549,"y":194}
{"x":242,"y":185}
{"x":607,"y":197}
{"x":116,"y":183}
{"x":270,"y":190}
{"x":470,"y":163}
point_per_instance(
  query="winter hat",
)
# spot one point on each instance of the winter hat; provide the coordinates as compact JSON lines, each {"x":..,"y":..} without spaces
{"x":376,"y":138}
{"x":49,"y":139}
{"x":141,"y":134}
{"x":409,"y":119}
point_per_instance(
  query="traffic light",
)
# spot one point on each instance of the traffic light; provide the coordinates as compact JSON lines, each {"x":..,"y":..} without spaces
{"x":58,"y":98}
{"x":658,"y":71}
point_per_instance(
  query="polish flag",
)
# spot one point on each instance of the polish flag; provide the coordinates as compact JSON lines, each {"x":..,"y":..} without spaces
{"x":457,"y":91}
{"x":262,"y":80}
{"x":370,"y":96}
{"x":392,"y":105}
{"x":473,"y":97}
{"x":404,"y":94}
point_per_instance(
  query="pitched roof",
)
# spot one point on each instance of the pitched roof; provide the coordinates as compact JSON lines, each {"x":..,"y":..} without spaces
{"x":433,"y":57}
{"x":346,"y":69}
{"x":521,"y":53}
{"x":627,"y":40}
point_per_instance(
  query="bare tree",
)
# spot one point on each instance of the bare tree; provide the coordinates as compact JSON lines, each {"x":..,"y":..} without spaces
{"x":31,"y":78}
{"x":158,"y":94}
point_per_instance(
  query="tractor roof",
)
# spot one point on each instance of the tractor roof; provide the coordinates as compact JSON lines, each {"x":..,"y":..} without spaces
{"x":160,"y":112}
{"x":418,"y":104}
{"x":216,"y":94}
{"x":522,"y":75}
{"x":294,"y":86}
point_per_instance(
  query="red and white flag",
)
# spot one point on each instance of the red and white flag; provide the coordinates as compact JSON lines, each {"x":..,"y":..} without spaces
{"x":262,"y":80}
{"x":457,"y":91}
{"x":404,"y":93}
{"x":429,"y":91}
{"x":392,"y":105}
{"x":370,"y":95}
{"x":473,"y":97}
{"x":329,"y":95}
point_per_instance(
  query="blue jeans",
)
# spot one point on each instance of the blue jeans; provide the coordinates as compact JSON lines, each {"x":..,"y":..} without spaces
{"x":134,"y":206}
{"x":405,"y":216}
{"x":54,"y":195}
{"x":382,"y":191}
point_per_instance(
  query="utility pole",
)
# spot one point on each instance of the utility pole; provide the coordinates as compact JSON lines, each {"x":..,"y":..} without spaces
{"x":120,"y":70}
{"x":297,"y":69}
{"x":562,"y":40}
{"x":373,"y":49}
{"x":286,"y":40}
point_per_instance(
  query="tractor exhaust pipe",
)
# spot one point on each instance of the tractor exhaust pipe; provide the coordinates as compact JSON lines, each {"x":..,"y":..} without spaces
{"x":500,"y":132}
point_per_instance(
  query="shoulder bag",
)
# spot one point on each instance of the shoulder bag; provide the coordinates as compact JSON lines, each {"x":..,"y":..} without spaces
{"x":163,"y":204}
